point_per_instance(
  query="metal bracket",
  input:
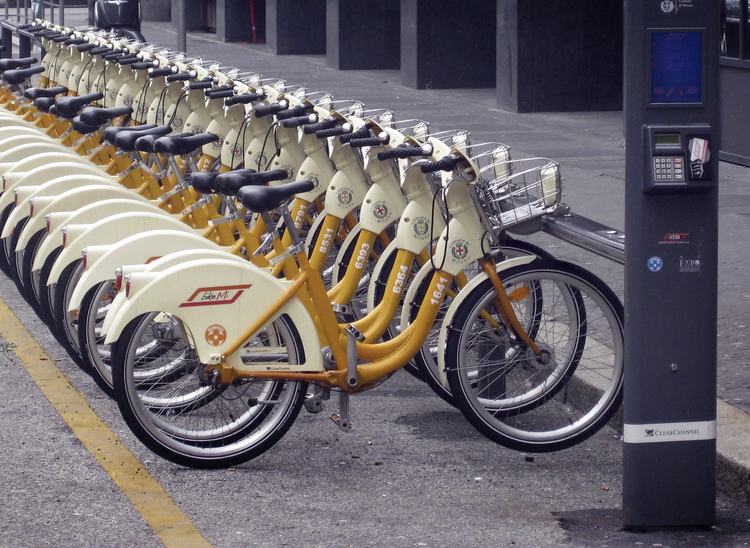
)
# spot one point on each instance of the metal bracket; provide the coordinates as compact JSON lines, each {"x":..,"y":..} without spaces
{"x":314,"y":400}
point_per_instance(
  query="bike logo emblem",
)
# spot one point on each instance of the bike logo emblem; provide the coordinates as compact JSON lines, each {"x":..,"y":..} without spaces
{"x":196,"y":130}
{"x":289,"y":173}
{"x":655,"y":264}
{"x":208,"y":296}
{"x":113,"y":95}
{"x":314,"y":179}
{"x":421,"y":227}
{"x":380,"y":210}
{"x":459,"y":250}
{"x":345,"y":196}
{"x":259,"y":159}
{"x":237,"y":151}
{"x":216,"y":335}
{"x":127,"y":100}
{"x":177,"y":122}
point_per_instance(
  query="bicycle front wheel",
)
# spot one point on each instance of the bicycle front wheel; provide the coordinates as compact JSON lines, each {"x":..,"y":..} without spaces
{"x":189,"y":419}
{"x":511,"y":395}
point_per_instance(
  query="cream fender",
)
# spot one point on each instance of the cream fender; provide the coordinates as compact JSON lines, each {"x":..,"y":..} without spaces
{"x":144,"y":248}
{"x":55,"y":187}
{"x":158,"y":265}
{"x":217,"y":301}
{"x":448,"y":319}
{"x":44,"y":173}
{"x":82,"y":197}
{"x":108,"y":231}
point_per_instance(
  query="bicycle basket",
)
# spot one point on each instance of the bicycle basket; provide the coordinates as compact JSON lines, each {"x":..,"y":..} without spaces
{"x":513,"y":193}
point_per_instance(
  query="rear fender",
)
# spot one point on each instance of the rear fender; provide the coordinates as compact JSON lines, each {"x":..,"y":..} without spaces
{"x":144,"y":248}
{"x":43,"y":172}
{"x":84,"y":215}
{"x":158,"y":265}
{"x":55,"y":187}
{"x":217,"y":301}
{"x":10,"y":156}
{"x":108,"y":231}
{"x":318,"y":172}
{"x":89,"y":197}
{"x":461,"y":297}
{"x":7,"y":131}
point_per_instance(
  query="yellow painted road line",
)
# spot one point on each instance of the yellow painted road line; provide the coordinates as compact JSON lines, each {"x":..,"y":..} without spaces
{"x":170,"y":523}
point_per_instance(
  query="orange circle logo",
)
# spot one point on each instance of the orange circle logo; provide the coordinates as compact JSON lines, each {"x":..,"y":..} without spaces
{"x":216,"y":335}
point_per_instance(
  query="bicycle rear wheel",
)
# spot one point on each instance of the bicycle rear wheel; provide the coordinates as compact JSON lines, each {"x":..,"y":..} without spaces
{"x":510,"y":395}
{"x":187,"y":418}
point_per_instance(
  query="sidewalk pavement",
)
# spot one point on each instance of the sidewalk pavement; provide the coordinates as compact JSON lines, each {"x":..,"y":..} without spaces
{"x":413,"y":474}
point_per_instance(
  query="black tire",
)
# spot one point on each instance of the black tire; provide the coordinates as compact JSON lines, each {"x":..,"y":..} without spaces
{"x":4,"y":265}
{"x":96,"y":356}
{"x":66,"y":323}
{"x":510,"y":395}
{"x":46,"y":293}
{"x":27,"y":277}
{"x":195,"y":423}
{"x":9,"y":247}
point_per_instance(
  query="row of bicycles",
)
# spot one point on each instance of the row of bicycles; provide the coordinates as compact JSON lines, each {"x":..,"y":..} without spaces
{"x":219,"y":250}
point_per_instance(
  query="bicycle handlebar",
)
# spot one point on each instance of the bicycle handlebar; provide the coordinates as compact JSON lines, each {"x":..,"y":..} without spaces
{"x":164,"y":71}
{"x":300,"y":120}
{"x":361,"y":133}
{"x":273,"y":108}
{"x":405,"y":151}
{"x":382,"y":139}
{"x":299,"y":110}
{"x":343,"y":129}
{"x":221,"y":94}
{"x":444,"y":164}
{"x":245,"y":98}
{"x":328,"y":123}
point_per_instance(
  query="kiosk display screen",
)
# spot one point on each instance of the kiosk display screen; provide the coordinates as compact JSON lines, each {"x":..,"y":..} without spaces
{"x":676,"y":67}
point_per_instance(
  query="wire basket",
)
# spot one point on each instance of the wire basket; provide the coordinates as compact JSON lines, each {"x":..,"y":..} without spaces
{"x":513,"y":193}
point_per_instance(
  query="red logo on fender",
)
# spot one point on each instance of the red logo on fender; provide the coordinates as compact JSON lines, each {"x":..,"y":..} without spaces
{"x":206,"y":296}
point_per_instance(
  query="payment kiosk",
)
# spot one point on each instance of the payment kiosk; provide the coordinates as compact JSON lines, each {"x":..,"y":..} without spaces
{"x":672,"y":140}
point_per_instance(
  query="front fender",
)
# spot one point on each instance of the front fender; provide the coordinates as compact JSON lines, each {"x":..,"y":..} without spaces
{"x":461,"y":297}
{"x":108,"y":231}
{"x":217,"y":302}
{"x":103,"y":260}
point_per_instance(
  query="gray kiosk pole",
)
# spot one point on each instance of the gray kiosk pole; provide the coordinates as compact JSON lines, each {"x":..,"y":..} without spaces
{"x":672,"y":138}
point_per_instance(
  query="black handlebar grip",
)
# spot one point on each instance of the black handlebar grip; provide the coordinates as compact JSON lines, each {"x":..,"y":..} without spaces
{"x":333,"y":132}
{"x":143,"y":65}
{"x":75,"y":41}
{"x":165,"y":71}
{"x":444,"y":164}
{"x":99,"y":50}
{"x":129,"y":60}
{"x":402,"y":151}
{"x":61,"y":38}
{"x":87,"y":47}
{"x":181,"y":77}
{"x":328,"y":123}
{"x":220,"y":94}
{"x":299,"y":110}
{"x":203,"y":84}
{"x":114,"y":54}
{"x":299,"y":121}
{"x":361,"y":133}
{"x":244,"y":99}
{"x":264,"y":110}
{"x":368,"y":142}
{"x":225,"y":87}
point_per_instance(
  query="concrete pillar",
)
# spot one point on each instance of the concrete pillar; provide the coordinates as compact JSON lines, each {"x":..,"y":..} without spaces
{"x":296,"y":27}
{"x":445,"y":44}
{"x":363,"y":35}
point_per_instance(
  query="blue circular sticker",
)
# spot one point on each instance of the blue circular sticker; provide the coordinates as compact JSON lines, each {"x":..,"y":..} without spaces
{"x":655,"y":264}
